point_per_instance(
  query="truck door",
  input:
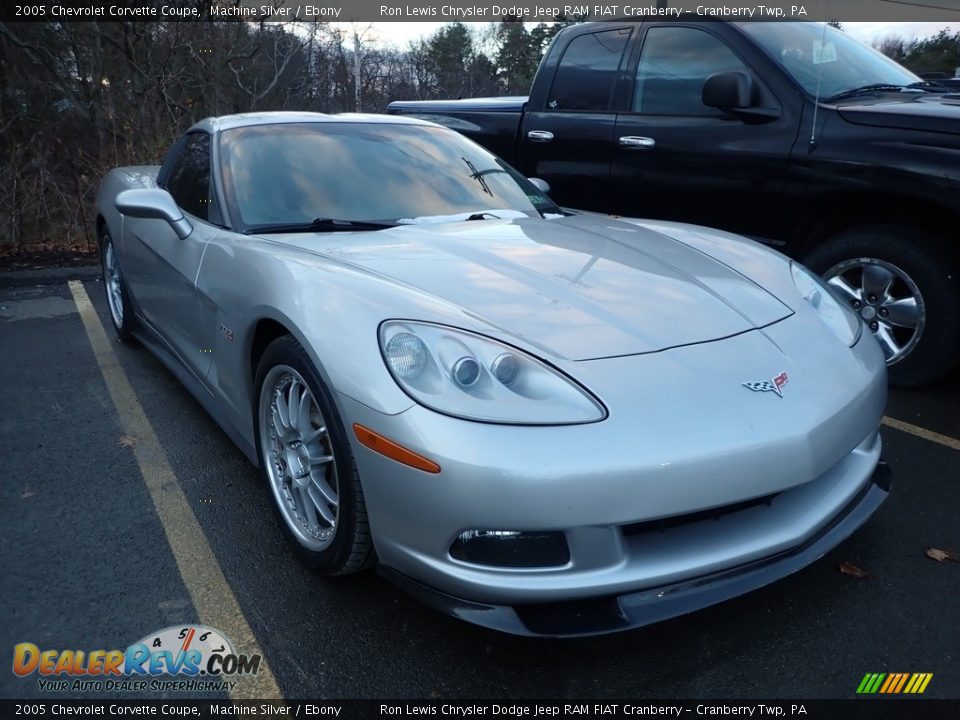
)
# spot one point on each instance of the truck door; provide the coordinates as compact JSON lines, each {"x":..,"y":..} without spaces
{"x":567,"y":131}
{"x":675,"y":158}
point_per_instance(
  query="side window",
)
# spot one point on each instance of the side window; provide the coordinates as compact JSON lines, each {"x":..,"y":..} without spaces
{"x":189,"y":180}
{"x":588,"y":71}
{"x":674,"y":63}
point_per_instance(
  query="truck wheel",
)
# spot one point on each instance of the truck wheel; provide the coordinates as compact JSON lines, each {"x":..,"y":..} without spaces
{"x":906,"y":289}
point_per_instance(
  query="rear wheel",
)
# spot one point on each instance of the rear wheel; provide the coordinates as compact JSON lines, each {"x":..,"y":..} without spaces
{"x":906,"y":290}
{"x":308,"y":464}
{"x":116,"y":289}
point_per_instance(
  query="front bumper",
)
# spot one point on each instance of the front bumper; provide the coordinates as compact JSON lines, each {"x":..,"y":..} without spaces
{"x":615,"y":613}
{"x":688,"y":478}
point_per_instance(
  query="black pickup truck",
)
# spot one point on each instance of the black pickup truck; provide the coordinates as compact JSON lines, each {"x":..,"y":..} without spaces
{"x":791,"y":133}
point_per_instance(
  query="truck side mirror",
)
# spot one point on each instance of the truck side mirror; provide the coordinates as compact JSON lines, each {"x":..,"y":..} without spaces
{"x":729,"y":90}
{"x":153,"y":203}
{"x":541,"y":185}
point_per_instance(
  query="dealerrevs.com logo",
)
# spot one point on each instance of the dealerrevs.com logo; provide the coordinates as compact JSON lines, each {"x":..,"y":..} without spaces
{"x":181,"y":657}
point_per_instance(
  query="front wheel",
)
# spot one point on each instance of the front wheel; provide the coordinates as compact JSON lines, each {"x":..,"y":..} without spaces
{"x":905,"y":289}
{"x":308,"y":464}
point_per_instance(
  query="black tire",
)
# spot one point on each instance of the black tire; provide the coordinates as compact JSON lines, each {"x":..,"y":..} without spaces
{"x":928,"y":269}
{"x":118,"y":305}
{"x":351,"y":547}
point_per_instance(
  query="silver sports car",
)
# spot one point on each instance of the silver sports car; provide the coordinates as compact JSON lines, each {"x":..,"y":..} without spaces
{"x":541,"y":421}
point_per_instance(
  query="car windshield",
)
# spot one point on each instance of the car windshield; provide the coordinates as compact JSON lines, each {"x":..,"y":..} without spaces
{"x":293,"y":174}
{"x":826,"y":61}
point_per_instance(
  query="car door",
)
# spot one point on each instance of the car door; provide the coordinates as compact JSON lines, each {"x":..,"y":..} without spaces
{"x":161,"y":268}
{"x":677,"y":159}
{"x":568,"y":127}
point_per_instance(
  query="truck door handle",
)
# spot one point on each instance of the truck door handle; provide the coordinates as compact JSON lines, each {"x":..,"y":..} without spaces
{"x":540,"y":135}
{"x":636,"y":142}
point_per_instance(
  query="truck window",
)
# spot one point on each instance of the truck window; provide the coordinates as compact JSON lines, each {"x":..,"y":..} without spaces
{"x":588,"y":71}
{"x":189,"y":180}
{"x":674,"y":63}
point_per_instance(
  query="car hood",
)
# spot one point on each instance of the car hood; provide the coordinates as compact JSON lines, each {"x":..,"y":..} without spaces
{"x":580,"y":287}
{"x":930,"y":112}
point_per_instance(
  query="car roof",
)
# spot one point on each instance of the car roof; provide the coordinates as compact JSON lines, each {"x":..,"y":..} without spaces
{"x":228,"y":122}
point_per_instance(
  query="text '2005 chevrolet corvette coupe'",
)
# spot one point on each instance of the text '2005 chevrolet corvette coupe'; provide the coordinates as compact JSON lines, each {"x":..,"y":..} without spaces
{"x":541,"y":421}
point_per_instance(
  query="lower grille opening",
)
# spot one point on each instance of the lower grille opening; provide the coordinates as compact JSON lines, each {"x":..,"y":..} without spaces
{"x":667,"y":523}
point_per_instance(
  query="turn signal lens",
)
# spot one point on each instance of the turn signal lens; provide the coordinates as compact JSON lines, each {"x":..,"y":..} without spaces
{"x":394,"y":451}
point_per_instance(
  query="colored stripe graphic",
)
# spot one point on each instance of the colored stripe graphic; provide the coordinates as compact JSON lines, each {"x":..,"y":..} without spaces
{"x":894,"y":683}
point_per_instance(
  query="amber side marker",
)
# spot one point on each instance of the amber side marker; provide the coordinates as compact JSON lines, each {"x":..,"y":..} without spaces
{"x":384,"y":446}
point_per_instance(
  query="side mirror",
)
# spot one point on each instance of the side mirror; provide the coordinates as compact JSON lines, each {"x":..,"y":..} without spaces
{"x":541,"y":185}
{"x":729,"y":90}
{"x":156,"y":204}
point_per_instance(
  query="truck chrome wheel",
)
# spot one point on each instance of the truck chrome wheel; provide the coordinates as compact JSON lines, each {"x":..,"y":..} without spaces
{"x":887,"y":299}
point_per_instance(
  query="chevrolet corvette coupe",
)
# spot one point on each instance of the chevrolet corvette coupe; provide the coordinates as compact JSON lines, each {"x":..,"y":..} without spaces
{"x":541,"y":421}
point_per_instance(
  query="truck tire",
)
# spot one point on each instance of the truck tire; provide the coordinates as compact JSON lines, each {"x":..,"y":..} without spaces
{"x":906,"y":287}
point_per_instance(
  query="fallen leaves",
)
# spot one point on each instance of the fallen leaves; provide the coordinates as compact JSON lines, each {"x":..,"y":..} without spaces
{"x":941,"y":555}
{"x":852,"y":570}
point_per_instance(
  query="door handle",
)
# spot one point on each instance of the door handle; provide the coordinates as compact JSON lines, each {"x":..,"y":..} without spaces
{"x":540,"y":135}
{"x":636,"y":142}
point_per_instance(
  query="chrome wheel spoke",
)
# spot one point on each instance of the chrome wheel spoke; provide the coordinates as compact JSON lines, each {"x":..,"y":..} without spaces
{"x":282,"y":411}
{"x":904,"y":312}
{"x":314,"y":434}
{"x":308,"y":512}
{"x":293,"y":404}
{"x":320,"y":460}
{"x":302,"y":422}
{"x":320,"y":486}
{"x":321,"y":506}
{"x":888,"y":343}
{"x":844,"y":289}
{"x":876,"y":280}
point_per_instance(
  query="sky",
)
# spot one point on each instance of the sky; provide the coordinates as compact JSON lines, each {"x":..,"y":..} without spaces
{"x":401,"y":34}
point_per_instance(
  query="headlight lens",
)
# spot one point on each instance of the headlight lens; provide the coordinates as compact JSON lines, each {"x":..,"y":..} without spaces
{"x":836,"y":316}
{"x":471,"y":376}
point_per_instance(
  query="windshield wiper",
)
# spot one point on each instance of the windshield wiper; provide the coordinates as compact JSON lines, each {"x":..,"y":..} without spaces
{"x":929,"y":85}
{"x":322,"y":224}
{"x":875,"y":87}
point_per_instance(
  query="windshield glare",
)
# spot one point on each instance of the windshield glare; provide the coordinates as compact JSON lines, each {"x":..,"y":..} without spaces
{"x":816,"y":53}
{"x":293,"y":173}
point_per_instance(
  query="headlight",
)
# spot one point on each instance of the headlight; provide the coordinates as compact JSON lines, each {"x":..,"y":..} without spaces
{"x":836,"y":316}
{"x":470,"y":376}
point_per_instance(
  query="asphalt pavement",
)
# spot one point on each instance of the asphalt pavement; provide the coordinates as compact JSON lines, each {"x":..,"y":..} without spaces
{"x":88,"y":561}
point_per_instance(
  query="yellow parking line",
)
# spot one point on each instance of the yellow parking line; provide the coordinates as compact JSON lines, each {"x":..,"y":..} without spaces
{"x":212,"y":597}
{"x":920,"y":432}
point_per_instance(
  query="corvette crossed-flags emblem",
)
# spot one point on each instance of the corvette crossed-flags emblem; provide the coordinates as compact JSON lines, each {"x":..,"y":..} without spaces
{"x":773,"y":385}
